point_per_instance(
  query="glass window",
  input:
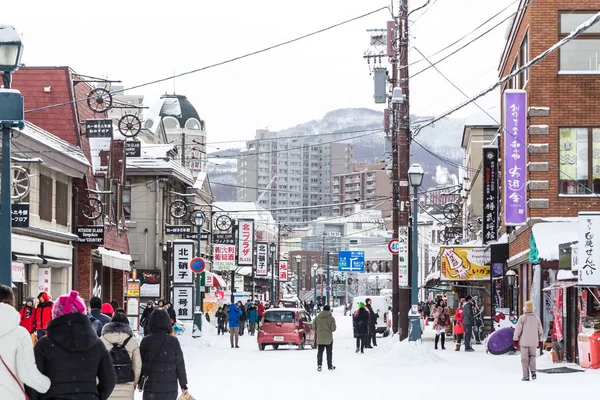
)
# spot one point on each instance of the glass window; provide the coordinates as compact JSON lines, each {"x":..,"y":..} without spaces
{"x":170,"y":123}
{"x":580,"y":54}
{"x":579,"y":158}
{"x":524,"y":59}
{"x":280,"y":316}
{"x":192,"y":124}
{"x":569,"y":21}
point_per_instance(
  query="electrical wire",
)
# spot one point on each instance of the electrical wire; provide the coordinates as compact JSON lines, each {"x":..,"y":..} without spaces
{"x":224,"y":62}
{"x":286,"y":138}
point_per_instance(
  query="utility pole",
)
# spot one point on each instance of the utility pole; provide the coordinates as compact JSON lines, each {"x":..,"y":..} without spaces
{"x":278,"y":259}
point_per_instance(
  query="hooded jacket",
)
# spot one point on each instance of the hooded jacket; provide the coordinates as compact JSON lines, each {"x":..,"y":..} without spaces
{"x":252,"y":314}
{"x":75,"y":360}
{"x":361,"y":322}
{"x":17,"y":352}
{"x":528,"y":331}
{"x":28,"y":318}
{"x":117,"y":333}
{"x":324,"y":325}
{"x":43,"y":313}
{"x":162,"y":358}
{"x":103,"y":318}
{"x":234,"y":316}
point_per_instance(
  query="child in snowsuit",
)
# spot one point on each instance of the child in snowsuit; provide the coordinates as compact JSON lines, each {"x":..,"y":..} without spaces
{"x":221,"y":320}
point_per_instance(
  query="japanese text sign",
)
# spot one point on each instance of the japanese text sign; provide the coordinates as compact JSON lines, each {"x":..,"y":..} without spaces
{"x":490,"y":194}
{"x":183,"y":302}
{"x":45,"y":280}
{"x":262,"y":258}
{"x":403,"y":256}
{"x":183,"y":252}
{"x":246,"y":242}
{"x":588,"y":254}
{"x":515,"y":157}
{"x":99,"y":128}
{"x":223,"y":257}
{"x":20,"y":215}
{"x":465,"y":264}
{"x":283,"y":271}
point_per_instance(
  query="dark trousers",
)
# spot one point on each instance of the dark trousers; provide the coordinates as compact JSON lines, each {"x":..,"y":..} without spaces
{"x":329,"y":348}
{"x":372,"y":336}
{"x":221,"y":329}
{"x":160,"y":396}
{"x":362,"y":341}
{"x":468,"y":336}
{"x":242,"y":326}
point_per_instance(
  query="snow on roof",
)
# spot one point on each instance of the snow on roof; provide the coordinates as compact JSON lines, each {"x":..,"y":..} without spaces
{"x":432,"y":276}
{"x":199,"y":184}
{"x":565,"y":275}
{"x":246,"y":271}
{"x":246,"y":209}
{"x":548,"y":235}
{"x":518,"y":255}
{"x":54,"y":142}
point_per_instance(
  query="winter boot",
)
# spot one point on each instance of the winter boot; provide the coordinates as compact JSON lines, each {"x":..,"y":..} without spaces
{"x":437,"y":339}
{"x":533,"y":375}
{"x":443,"y":341}
{"x":357,"y":350}
{"x":458,"y":347}
{"x":319,"y":368}
{"x":525,"y":379}
{"x":331,"y":368}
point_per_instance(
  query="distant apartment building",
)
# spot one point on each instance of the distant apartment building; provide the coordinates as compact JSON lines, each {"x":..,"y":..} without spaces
{"x":290,"y":174}
{"x":368,"y":184}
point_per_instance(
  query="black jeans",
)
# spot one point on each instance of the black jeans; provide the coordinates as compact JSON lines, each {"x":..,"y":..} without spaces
{"x":468,"y":335}
{"x":160,"y":396}
{"x":329,"y":349}
{"x":372,"y":336}
{"x":242,"y":326}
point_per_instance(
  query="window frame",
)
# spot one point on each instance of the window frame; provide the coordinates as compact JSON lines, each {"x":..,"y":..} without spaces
{"x":62,"y":210}
{"x":45,"y":200}
{"x":582,"y":36}
{"x":590,"y":161}
{"x":524,"y":75}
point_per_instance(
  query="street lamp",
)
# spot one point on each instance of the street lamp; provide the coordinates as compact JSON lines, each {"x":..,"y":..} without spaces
{"x":314,"y":272}
{"x":11,"y":115}
{"x":415,"y":178}
{"x":272,"y":247}
{"x":511,"y":278}
{"x":199,"y":278}
{"x":298,"y":275}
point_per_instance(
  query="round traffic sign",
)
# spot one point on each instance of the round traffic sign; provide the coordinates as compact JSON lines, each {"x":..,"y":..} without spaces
{"x":197,"y":265}
{"x":394,"y":246}
{"x":328,"y":288}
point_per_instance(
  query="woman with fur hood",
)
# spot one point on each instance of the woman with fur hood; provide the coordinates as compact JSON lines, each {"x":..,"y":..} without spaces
{"x":118,"y":332}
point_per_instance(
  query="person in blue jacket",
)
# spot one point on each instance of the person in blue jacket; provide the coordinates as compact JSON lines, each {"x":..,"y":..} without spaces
{"x":234,"y":324}
{"x":252,"y":318}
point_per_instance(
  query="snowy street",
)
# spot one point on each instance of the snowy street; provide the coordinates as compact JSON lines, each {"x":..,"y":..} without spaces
{"x":215,"y":370}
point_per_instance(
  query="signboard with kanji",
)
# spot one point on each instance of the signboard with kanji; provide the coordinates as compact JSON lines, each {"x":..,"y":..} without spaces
{"x":246,"y":242}
{"x":465,"y":264}
{"x":20,"y":215}
{"x":403,"y":256}
{"x":262,"y":258}
{"x":177,"y":229}
{"x":44,"y":280}
{"x":223,"y":238}
{"x":223,"y":257}
{"x":588,"y":257}
{"x":490,"y":194}
{"x":183,"y":252}
{"x":283,"y":271}
{"x":99,"y":128}
{"x":183,"y":297}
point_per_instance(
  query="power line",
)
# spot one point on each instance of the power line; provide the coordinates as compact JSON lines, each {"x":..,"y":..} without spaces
{"x":228,"y":61}
{"x":285,"y":138}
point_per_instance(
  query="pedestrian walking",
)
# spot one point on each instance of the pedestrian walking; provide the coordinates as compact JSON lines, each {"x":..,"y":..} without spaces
{"x":459,"y":328}
{"x":96,"y":311}
{"x":360,"y":320}
{"x":468,"y":322}
{"x":252,"y":318}
{"x":27,"y":313}
{"x":372,"y":342}
{"x":43,"y":313}
{"x":528,"y":336}
{"x":234,"y":325}
{"x":163,"y":366}
{"x":261,"y":310}
{"x":324,"y":325}
{"x":124,"y":350}
{"x":243,"y":317}
{"x":108,"y":310}
{"x":221,"y":320}
{"x":441,"y":320}
{"x":73,"y":356}
{"x":172,"y":316}
{"x":17,"y":362}
{"x":144,"y":320}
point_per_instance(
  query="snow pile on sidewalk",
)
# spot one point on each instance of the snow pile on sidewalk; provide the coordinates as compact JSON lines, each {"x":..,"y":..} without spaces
{"x":407,"y":353}
{"x":209,"y":332}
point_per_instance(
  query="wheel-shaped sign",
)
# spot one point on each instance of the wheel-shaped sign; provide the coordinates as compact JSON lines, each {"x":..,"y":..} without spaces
{"x":394,"y":246}
{"x":197,"y":265}
{"x":178,"y":209}
{"x":223,"y":223}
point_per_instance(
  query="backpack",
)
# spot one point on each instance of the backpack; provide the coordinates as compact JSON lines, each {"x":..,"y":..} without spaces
{"x":122,"y":362}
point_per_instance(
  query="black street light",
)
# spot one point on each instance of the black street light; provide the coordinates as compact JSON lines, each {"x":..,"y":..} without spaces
{"x":511,"y":278}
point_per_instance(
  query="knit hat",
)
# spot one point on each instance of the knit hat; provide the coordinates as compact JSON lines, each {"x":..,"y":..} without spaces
{"x":29,"y":299}
{"x":68,"y":304}
{"x":529,"y":307}
{"x":107,"y":309}
{"x":45,"y":296}
{"x":361,"y":304}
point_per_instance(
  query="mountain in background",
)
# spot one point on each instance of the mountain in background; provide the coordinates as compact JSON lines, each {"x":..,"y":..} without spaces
{"x":439,"y":159}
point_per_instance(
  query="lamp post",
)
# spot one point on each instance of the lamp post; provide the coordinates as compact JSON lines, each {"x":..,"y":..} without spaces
{"x":298,"y":275}
{"x":511,"y":277}
{"x":200,"y":278}
{"x":415,"y":178}
{"x":11,"y":116}
{"x":314,"y":271}
{"x":272,"y":247}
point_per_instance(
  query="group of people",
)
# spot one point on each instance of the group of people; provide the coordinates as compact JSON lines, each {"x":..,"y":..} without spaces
{"x":234,"y":318}
{"x":71,"y":359}
{"x":364,"y":322}
{"x":160,"y":305}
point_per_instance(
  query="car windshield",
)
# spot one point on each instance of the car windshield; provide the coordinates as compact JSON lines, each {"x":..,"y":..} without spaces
{"x":279,"y":316}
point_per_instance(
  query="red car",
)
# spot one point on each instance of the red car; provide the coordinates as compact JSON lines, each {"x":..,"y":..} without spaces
{"x":286,"y":326}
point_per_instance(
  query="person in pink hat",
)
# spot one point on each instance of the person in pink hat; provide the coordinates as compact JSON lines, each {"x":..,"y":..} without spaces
{"x":72,"y":355}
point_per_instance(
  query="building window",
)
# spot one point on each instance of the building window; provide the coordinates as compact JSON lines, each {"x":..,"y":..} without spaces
{"x":358,"y":225}
{"x":579,"y":159}
{"x":127,"y":199}
{"x":514,"y":82}
{"x":62,"y":203}
{"x":583,"y":53}
{"x":524,"y":59}
{"x":45,"y":200}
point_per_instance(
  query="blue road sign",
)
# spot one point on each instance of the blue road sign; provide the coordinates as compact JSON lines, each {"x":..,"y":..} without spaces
{"x":197,"y":265}
{"x":328,"y":288}
{"x":351,"y":261}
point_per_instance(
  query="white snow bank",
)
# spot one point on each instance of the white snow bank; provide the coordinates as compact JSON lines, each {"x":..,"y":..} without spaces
{"x":338,"y":310}
{"x":209,"y":332}
{"x":405,"y":353}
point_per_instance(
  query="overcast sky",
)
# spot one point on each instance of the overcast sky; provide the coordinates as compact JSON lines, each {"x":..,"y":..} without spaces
{"x":139,"y":41}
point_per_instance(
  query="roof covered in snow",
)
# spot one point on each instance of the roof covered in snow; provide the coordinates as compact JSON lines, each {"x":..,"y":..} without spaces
{"x":171,"y":105}
{"x":245,"y":209}
{"x":548,"y":235}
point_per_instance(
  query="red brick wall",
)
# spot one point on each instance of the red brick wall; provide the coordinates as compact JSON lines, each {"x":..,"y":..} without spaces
{"x":85,"y":281}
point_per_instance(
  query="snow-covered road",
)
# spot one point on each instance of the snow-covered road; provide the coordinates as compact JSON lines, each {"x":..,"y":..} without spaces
{"x":391,"y":369}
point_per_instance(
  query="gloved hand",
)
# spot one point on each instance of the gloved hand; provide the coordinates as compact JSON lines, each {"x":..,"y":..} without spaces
{"x":516,"y":344}
{"x":540,"y":344}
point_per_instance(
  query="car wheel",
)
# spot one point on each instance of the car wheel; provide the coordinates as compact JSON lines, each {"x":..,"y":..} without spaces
{"x":386,"y":333}
{"x":302,"y":343}
{"x":275,"y":346}
{"x":261,"y":346}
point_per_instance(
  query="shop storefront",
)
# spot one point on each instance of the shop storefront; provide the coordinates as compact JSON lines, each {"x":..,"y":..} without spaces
{"x":110,"y":267}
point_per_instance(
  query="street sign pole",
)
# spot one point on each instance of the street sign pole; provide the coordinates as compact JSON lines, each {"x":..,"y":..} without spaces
{"x":328,"y":278}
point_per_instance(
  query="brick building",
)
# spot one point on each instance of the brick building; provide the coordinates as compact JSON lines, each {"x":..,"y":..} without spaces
{"x":561,"y":174}
{"x":97,"y":270}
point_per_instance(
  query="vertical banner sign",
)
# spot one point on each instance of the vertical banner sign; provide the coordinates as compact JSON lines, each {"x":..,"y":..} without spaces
{"x":246,"y":242}
{"x":261,"y":258}
{"x":490,"y":194}
{"x":588,"y":250}
{"x":183,"y":252}
{"x":183,"y":298}
{"x":44,"y":280}
{"x":515,"y":157}
{"x":403,"y":256}
{"x":283,"y":271}
{"x":223,"y":257}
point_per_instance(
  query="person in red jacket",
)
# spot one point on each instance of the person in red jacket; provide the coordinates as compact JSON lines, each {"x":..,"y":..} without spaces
{"x":459,"y":329}
{"x":261,"y":311}
{"x":28,"y":315}
{"x":43,"y":313}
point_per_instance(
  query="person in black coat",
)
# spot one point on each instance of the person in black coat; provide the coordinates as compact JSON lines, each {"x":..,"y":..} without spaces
{"x":360,"y":320}
{"x":162,"y":360}
{"x":146,"y":317}
{"x":372,"y":325}
{"x":171,"y":311}
{"x":72,"y":355}
{"x":243,"y":317}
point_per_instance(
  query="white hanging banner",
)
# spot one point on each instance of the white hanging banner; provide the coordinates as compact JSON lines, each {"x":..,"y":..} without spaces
{"x":246,"y":242}
{"x":44,"y":280}
{"x":183,"y":297}
{"x":223,"y":257}
{"x":588,"y":251}
{"x":283,"y":271}
{"x":183,"y":252}
{"x":403,"y":256}
{"x":261,"y":259}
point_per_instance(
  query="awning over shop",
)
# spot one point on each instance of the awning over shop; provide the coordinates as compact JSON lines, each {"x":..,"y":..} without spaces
{"x":56,"y":262}
{"x":560,"y":285}
{"x":115,"y":259}
{"x":27,"y":258}
{"x":217,"y":280}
